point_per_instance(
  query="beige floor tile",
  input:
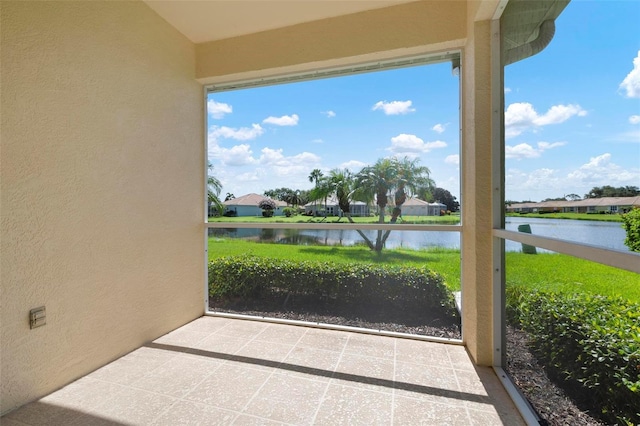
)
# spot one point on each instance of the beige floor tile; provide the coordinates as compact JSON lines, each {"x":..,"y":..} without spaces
{"x":230,"y":387}
{"x":371,"y":345}
{"x":287,"y":399}
{"x":409,"y":411}
{"x":179,"y":376}
{"x":207,"y":324}
{"x":6,"y":421}
{"x":133,"y":366}
{"x":193,"y":414}
{"x":243,"y":329}
{"x":280,"y":333}
{"x":221,"y":345}
{"x":420,"y":352}
{"x":328,"y":340}
{"x":432,"y":384}
{"x":133,"y":406}
{"x":265,"y":351}
{"x":345,"y":405}
{"x":366,"y":372}
{"x":42,"y":413}
{"x":459,"y":357}
{"x":182,"y":337}
{"x":311,"y":363}
{"x":247,"y":420}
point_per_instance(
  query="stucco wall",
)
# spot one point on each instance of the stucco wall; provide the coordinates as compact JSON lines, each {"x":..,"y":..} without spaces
{"x":386,"y":33}
{"x":102,"y":188}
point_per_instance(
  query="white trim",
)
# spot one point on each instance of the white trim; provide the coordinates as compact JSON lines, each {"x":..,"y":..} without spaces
{"x":526,"y":411}
{"x":326,"y":326}
{"x":616,"y":258}
{"x":416,"y":60}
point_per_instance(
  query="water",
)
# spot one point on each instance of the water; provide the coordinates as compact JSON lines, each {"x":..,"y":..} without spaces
{"x":603,"y":234}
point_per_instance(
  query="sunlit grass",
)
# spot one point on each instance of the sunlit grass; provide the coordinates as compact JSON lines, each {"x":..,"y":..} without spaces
{"x":554,"y":272}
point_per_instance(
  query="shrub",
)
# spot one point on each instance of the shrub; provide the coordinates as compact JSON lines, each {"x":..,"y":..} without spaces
{"x":252,"y":276}
{"x":592,"y":342}
{"x":289,"y":211}
{"x":631,"y":224}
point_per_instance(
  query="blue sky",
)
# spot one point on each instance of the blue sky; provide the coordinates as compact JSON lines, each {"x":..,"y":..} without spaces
{"x":572,"y":117}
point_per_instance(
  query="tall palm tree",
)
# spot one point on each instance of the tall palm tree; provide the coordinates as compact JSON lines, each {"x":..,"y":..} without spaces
{"x":389,"y":178}
{"x":214,"y":187}
{"x":314,"y":177}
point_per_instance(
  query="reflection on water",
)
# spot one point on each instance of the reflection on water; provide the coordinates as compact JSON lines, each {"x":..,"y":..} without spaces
{"x":604,"y":234}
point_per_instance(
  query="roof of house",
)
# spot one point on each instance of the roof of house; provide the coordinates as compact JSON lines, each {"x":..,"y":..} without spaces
{"x":587,"y":202}
{"x":251,"y":200}
{"x":419,"y":202}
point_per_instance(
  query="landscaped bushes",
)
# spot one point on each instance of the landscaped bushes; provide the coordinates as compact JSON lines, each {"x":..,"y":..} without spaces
{"x":592,"y":342}
{"x":631,"y":224}
{"x":250,"y":276}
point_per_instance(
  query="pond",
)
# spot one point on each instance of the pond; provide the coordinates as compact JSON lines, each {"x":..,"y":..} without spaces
{"x":603,"y":234}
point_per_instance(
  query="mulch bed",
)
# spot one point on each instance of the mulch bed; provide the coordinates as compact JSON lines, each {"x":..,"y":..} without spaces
{"x":548,"y":399}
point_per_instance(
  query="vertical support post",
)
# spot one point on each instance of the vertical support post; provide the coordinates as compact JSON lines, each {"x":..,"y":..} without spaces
{"x":497,"y":178}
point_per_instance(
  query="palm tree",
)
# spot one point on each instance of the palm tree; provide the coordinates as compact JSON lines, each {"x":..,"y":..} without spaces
{"x":390,"y":178}
{"x":314,"y":177}
{"x":214,"y":187}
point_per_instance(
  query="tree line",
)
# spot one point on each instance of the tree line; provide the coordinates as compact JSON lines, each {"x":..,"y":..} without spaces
{"x":595,"y":192}
{"x":387,"y":183}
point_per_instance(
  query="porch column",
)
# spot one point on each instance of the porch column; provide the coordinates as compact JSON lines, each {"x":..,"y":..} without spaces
{"x":479,"y":82}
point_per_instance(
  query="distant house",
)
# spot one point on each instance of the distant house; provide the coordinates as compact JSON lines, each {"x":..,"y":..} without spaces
{"x":317,"y":208}
{"x":418,"y":207}
{"x":588,"y":205}
{"x":247,"y":205}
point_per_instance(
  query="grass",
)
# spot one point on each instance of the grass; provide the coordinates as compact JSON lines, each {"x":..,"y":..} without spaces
{"x":442,"y":220}
{"x":574,"y":216}
{"x":554,"y":272}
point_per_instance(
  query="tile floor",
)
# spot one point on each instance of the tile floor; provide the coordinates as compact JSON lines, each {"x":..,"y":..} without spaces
{"x":220,"y":371}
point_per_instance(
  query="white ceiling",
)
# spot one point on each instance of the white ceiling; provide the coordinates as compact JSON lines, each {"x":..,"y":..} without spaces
{"x":207,"y":20}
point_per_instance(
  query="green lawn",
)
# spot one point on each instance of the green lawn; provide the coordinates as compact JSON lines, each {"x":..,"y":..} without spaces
{"x":555,"y":272}
{"x":443,"y":220}
{"x":574,"y":216}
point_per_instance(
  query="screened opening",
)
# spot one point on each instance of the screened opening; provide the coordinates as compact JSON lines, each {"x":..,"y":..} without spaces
{"x":571,"y":279}
{"x":333,"y":197}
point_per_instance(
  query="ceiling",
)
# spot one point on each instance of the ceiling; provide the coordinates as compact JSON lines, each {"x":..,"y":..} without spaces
{"x":202,"y":21}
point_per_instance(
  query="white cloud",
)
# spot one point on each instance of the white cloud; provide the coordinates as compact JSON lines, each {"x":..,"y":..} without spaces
{"x":329,"y":114}
{"x":631,"y":83}
{"x":317,"y":141}
{"x":218,"y":109}
{"x":438,"y":128}
{"x":522,"y":116}
{"x":411,"y":145}
{"x":394,"y":107}
{"x":634,"y":119}
{"x":285,"y":120}
{"x":239,"y":155}
{"x":353,"y":165}
{"x":507,"y":90}
{"x":282,"y":165}
{"x":452,"y":159}
{"x":524,"y":150}
{"x":241,"y":134}
{"x":601,"y":170}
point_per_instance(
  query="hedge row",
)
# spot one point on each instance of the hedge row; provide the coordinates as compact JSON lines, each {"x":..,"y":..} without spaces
{"x":250,"y":277}
{"x":591,"y":341}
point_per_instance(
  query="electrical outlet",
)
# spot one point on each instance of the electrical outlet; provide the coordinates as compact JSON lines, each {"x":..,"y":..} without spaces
{"x":37,"y":317}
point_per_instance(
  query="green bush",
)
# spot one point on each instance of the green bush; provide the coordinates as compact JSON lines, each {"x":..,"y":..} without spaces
{"x":289,"y":211}
{"x":631,"y":224}
{"x":590,"y":341}
{"x":252,"y":276}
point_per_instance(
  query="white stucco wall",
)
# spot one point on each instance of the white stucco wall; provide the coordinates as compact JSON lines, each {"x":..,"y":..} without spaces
{"x":102,"y":188}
